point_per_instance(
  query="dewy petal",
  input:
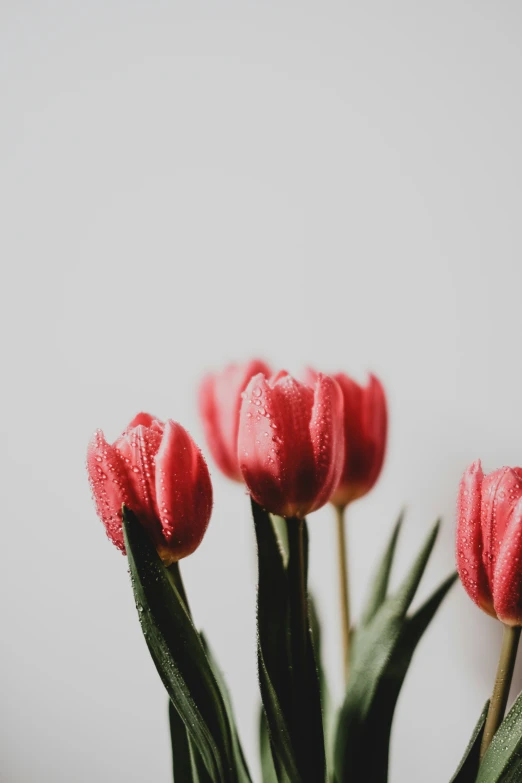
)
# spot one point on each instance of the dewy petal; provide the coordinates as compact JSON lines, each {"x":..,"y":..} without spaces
{"x":507,"y":587}
{"x":146,"y":420}
{"x":327,"y":437}
{"x":260,"y":445}
{"x":111,"y":487}
{"x":500,"y":492}
{"x":469,"y":542}
{"x":285,"y":471}
{"x":138,"y":448}
{"x":293,"y":405}
{"x":184,"y":494}
{"x":278,"y":376}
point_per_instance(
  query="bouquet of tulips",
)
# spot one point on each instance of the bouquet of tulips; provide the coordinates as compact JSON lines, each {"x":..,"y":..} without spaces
{"x":297,"y":446}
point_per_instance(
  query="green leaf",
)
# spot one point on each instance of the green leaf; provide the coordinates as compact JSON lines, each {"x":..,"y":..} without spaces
{"x":326,"y":702}
{"x":178,"y":653}
{"x":505,"y":752}
{"x":187,"y":765}
{"x":468,"y":767}
{"x":513,"y":774}
{"x":273,"y":651}
{"x":265,"y":752}
{"x":272,"y":606}
{"x":181,"y":758}
{"x":381,"y":579}
{"x":280,"y":740}
{"x":286,"y":678}
{"x":408,"y":588}
{"x":239,"y":756}
{"x":377,"y":729}
{"x":306,"y":726}
{"x":378,"y":668}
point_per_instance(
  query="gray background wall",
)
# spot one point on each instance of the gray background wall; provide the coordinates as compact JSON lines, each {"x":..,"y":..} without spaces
{"x":182,"y":184}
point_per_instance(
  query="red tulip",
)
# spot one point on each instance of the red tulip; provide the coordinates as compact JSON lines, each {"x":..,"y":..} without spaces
{"x":365,"y":428}
{"x":219,"y":403}
{"x":291,"y":442}
{"x":158,"y":472}
{"x":489,"y":540}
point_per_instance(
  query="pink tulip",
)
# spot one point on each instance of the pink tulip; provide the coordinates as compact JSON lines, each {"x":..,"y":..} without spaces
{"x":159,"y":473}
{"x":219,"y":403}
{"x":489,"y":540}
{"x":291,"y":442}
{"x":365,"y":429}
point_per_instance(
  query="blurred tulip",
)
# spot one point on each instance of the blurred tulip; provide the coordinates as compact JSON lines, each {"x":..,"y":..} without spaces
{"x":219,"y":404}
{"x":291,"y":442}
{"x":489,"y":540}
{"x":158,"y":472}
{"x":365,"y":429}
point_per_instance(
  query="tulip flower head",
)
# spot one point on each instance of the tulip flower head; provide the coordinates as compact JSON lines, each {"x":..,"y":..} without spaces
{"x":365,"y":430}
{"x":489,"y":540}
{"x":290,"y":442}
{"x":158,"y":472}
{"x":219,"y":404}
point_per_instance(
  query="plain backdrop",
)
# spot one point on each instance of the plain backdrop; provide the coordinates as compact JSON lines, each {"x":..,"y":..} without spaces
{"x":183,"y":184}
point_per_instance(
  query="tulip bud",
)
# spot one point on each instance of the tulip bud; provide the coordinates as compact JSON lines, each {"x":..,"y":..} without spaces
{"x":489,"y":540}
{"x":365,"y":427}
{"x":158,"y":472}
{"x":290,"y":442}
{"x":219,"y":404}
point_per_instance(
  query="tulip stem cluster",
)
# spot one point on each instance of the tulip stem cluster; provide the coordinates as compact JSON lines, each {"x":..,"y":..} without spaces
{"x":506,"y":664}
{"x":344,"y":589}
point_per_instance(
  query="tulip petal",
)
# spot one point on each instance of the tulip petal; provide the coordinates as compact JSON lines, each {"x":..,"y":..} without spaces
{"x":500,"y":493}
{"x":110,"y":486}
{"x":507,"y":585}
{"x":220,"y":403}
{"x":327,"y":437}
{"x":293,"y":406}
{"x":138,"y":448}
{"x":469,"y":539}
{"x":213,"y":426}
{"x":147,"y":421}
{"x":183,"y":492}
{"x":290,"y":442}
{"x":259,"y":445}
{"x":375,"y":425}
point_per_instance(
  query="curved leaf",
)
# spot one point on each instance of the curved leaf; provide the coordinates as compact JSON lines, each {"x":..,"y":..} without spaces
{"x":381,"y":579}
{"x":306,"y":725}
{"x":513,"y":774}
{"x":265,"y":752}
{"x":178,"y":654}
{"x":187,"y":765}
{"x":382,"y":654}
{"x":379,"y":718}
{"x":326,"y":701}
{"x":280,"y":740}
{"x":468,"y":767}
{"x":239,"y":756}
{"x":288,"y":679}
{"x":505,"y":752}
{"x":181,"y":758}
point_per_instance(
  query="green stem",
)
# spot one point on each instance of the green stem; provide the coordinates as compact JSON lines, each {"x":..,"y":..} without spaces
{"x":344,"y":591}
{"x":497,"y":705}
